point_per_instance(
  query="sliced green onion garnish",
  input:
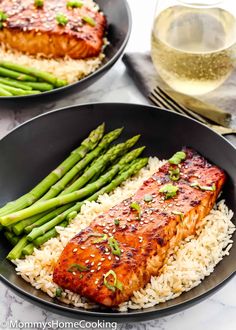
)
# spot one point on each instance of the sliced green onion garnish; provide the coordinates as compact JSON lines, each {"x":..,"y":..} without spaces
{"x":114,"y":245}
{"x":117,"y":222}
{"x":100,"y":240}
{"x":169,"y":190}
{"x":3,"y":16}
{"x":38,"y":3}
{"x":112,"y":286}
{"x":77,"y":267}
{"x":148,"y":198}
{"x":58,"y":292}
{"x":61,"y":19}
{"x":204,"y":188}
{"x":89,"y":20}
{"x":178,"y":213}
{"x":177,"y":158}
{"x":74,"y":4}
{"x":135,"y":206}
{"x":174,"y":174}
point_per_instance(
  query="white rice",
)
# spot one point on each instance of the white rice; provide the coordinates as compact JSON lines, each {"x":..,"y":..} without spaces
{"x":190,"y":263}
{"x":66,"y":68}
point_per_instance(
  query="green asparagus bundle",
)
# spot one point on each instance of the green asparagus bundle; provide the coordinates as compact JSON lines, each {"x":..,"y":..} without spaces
{"x":61,"y":184}
{"x":76,"y":155}
{"x":69,"y":197}
{"x":127,"y":172}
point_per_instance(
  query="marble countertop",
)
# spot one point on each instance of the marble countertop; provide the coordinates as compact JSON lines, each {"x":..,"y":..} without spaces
{"x":215,"y":313}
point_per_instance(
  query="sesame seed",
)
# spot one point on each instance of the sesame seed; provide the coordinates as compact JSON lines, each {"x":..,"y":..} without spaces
{"x":83,"y":247}
{"x":92,"y":255}
{"x":105,"y":231}
{"x":102,"y":259}
{"x":122,"y":250}
{"x":114,"y":230}
{"x":110,"y":234}
{"x":107,"y":253}
{"x":92,"y":263}
{"x":117,"y":258}
{"x":87,"y":261}
{"x":92,"y":271}
{"x":99,"y":267}
{"x":141,"y":222}
{"x":109,"y":258}
{"x":74,"y":273}
{"x":96,"y":282}
{"x":75,"y":250}
{"x":99,"y":264}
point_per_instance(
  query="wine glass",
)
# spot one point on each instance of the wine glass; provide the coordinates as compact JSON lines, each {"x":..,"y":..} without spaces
{"x":194,"y":43}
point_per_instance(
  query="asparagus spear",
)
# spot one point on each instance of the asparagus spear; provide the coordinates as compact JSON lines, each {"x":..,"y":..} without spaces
{"x":28,"y":249}
{"x":40,"y":86}
{"x":49,"y":234}
{"x":17,"y":84}
{"x":16,"y":252}
{"x":29,"y":198}
{"x":102,"y":161}
{"x":46,"y":218}
{"x":19,"y":227}
{"x":45,"y":76}
{"x":17,"y":91}
{"x":11,"y":237}
{"x":4,"y":92}
{"x":130,"y":170}
{"x":86,"y":191}
{"x":16,"y":75}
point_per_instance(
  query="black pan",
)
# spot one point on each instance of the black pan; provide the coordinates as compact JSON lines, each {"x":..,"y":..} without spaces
{"x":29,"y":152}
{"x":119,"y":27}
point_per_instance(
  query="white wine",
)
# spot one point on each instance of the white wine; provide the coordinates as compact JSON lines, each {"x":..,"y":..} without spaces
{"x":193,"y":49}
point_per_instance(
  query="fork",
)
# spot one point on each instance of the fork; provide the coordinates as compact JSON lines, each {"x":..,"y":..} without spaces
{"x":160,"y":98}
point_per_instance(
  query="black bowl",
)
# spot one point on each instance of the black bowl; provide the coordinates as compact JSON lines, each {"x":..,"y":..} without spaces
{"x":29,"y":152}
{"x":119,"y":28}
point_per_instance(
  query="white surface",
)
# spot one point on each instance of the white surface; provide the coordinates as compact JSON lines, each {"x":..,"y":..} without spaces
{"x":216,"y":313}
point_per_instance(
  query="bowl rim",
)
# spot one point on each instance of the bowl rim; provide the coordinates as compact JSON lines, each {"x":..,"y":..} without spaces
{"x":133,"y":315}
{"x":99,"y":70}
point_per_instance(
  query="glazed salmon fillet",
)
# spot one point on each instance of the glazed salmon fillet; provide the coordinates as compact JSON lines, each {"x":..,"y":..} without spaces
{"x":36,"y":31}
{"x":122,"y":248}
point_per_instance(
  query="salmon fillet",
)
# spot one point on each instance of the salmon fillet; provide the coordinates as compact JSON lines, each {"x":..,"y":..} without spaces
{"x":121,"y":249}
{"x":36,"y":31}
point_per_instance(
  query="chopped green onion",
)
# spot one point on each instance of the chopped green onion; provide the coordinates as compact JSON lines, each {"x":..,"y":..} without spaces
{"x":39,"y":3}
{"x":74,"y":4}
{"x":75,"y":267}
{"x":117,"y":222}
{"x":178,"y":213}
{"x":89,"y":20}
{"x":100,"y":240}
{"x":58,"y":292}
{"x":169,"y":191}
{"x":135,"y":206}
{"x":114,"y":245}
{"x":3,"y":16}
{"x":174,"y":174}
{"x":61,"y":19}
{"x":116,"y":284}
{"x":204,"y":188}
{"x":148,"y":198}
{"x":177,"y":158}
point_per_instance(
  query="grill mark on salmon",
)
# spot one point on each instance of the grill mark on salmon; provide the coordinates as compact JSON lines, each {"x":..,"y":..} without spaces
{"x":35,"y":31}
{"x":144,"y":241}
